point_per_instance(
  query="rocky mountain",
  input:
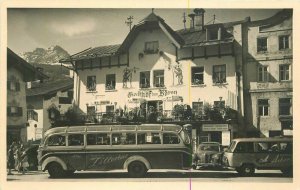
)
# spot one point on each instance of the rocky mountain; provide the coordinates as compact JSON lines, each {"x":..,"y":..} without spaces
{"x":51,"y":55}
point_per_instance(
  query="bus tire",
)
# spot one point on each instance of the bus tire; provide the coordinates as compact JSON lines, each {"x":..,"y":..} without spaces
{"x":137,"y":169}
{"x":55,"y":170}
{"x":246,"y":170}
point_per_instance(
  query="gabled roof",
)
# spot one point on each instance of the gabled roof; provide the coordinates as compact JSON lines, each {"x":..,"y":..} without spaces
{"x":100,"y":51}
{"x":152,"y":21}
{"x":46,"y":88}
{"x":180,"y":38}
{"x":29,"y":71}
{"x":275,"y":19}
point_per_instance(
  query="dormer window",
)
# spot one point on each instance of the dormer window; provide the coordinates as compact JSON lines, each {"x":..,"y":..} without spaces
{"x":151,"y":47}
{"x":213,"y":33}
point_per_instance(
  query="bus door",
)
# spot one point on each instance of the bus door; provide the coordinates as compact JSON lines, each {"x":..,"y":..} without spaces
{"x":274,"y":154}
{"x":75,"y":151}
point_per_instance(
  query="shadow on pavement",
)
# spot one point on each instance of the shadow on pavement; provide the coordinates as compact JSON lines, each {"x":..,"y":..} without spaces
{"x":169,"y":174}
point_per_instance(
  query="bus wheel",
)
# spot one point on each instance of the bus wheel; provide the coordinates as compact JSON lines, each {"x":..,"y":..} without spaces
{"x":246,"y":170}
{"x":55,"y":170}
{"x":137,"y":169}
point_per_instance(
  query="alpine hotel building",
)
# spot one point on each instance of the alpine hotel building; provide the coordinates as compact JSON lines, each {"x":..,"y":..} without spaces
{"x":157,"y":68}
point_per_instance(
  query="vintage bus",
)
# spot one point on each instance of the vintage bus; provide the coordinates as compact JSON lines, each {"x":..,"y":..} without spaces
{"x":135,"y":148}
{"x":247,"y":154}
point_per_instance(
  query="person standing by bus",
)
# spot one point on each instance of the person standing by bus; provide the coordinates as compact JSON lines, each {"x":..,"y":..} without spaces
{"x":10,"y":159}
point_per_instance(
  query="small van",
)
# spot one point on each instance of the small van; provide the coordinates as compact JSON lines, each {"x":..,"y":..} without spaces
{"x":247,"y":154}
{"x":135,"y":148}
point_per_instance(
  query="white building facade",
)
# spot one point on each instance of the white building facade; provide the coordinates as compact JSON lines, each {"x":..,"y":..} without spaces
{"x":157,"y":68}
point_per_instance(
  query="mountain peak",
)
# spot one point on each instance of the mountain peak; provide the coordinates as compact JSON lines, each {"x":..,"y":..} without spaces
{"x":45,"y":56}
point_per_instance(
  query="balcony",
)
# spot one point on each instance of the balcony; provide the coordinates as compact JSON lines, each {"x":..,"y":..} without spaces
{"x":268,"y":86}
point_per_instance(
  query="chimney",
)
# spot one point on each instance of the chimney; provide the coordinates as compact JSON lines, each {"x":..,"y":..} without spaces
{"x":199,"y":19}
{"x":192,"y":16}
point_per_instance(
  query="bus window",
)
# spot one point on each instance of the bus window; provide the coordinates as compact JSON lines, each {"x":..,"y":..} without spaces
{"x":123,"y":138}
{"x":244,"y":147}
{"x":148,"y":138}
{"x":75,"y":140}
{"x":170,"y":138}
{"x":98,"y":139}
{"x":57,"y":140}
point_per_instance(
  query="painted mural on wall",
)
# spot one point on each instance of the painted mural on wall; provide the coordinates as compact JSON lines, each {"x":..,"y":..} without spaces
{"x":178,"y":74}
{"x":127,"y":76}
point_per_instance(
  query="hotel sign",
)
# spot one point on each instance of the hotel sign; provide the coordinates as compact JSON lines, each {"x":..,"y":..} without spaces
{"x":159,"y":93}
{"x":215,"y":127}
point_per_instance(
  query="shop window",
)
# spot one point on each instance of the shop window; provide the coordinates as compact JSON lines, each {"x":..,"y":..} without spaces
{"x":145,"y":79}
{"x":263,"y":74}
{"x":91,"y":83}
{"x":284,"y":42}
{"x":110,"y":109}
{"x":285,"y":106}
{"x":148,"y":138}
{"x":219,"y":104}
{"x":219,"y":74}
{"x":14,"y":111}
{"x":263,"y":107}
{"x":57,"y":140}
{"x":123,"y":138}
{"x":13,"y":86}
{"x":76,"y":140}
{"x":197,"y":108}
{"x":32,"y":115}
{"x":197,"y":75}
{"x":98,"y":139}
{"x":158,"y":78}
{"x":262,"y":45}
{"x":170,"y":138}
{"x":284,"y":72}
{"x":110,"y":82}
{"x":151,"y":47}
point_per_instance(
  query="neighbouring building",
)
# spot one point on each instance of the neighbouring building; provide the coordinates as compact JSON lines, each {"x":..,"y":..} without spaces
{"x":41,"y":99}
{"x":18,"y":73}
{"x":268,"y":76}
{"x":157,"y":69}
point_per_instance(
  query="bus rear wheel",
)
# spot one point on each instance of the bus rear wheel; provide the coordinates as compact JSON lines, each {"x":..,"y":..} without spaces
{"x":137,"y":169}
{"x":55,"y":170}
{"x":246,"y":170}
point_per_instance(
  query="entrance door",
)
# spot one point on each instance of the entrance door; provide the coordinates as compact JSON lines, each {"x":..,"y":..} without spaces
{"x":155,"y":106}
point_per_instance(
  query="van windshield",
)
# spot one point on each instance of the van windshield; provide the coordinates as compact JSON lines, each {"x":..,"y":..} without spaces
{"x":231,"y":146}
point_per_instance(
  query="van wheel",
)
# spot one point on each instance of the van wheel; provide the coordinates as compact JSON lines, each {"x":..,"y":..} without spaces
{"x":246,"y":170}
{"x":137,"y":169}
{"x":55,"y":170}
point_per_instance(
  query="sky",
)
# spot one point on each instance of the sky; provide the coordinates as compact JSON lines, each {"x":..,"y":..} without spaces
{"x":78,"y":29}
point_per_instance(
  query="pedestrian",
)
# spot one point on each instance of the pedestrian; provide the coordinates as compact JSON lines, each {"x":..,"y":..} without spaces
{"x":10,"y":159}
{"x":24,"y":162}
{"x":18,"y":153}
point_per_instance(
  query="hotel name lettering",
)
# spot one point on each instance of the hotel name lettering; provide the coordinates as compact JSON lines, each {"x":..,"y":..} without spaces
{"x":152,"y":93}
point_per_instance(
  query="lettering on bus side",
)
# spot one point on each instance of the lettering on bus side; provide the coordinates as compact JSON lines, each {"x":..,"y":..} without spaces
{"x":100,"y":160}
